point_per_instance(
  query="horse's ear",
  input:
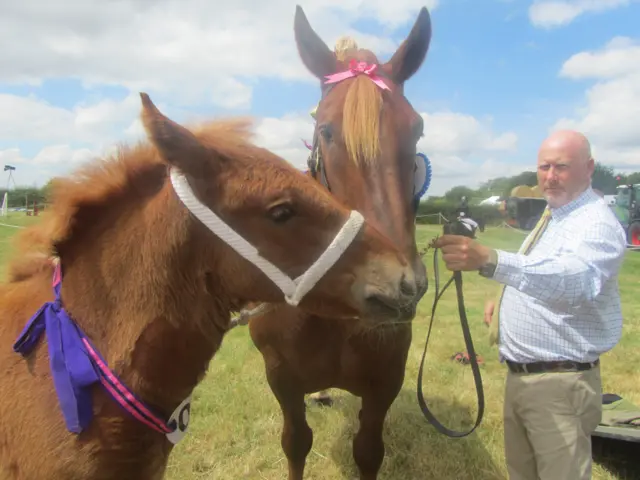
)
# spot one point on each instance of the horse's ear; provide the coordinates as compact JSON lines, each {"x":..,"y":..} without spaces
{"x":314,"y":53}
{"x":176,"y":145}
{"x":412,"y":52}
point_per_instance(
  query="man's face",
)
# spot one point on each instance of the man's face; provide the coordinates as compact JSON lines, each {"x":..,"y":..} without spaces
{"x":562,"y":176}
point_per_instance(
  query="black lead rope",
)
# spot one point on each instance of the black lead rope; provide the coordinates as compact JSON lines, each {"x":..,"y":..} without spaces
{"x":458,"y":229}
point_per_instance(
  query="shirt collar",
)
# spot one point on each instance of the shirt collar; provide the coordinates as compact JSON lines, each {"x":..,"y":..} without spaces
{"x":588,"y":196}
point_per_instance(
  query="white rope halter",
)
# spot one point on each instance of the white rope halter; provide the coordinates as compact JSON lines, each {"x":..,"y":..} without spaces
{"x":294,"y":290}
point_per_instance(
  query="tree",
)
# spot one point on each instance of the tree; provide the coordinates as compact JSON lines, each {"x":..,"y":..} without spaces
{"x":503,"y":185}
{"x":604,"y":179}
{"x":456,"y":193}
{"x":633,"y":178}
{"x":47,"y":189}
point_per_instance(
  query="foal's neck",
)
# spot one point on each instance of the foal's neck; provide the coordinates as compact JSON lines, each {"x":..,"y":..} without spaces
{"x":149,"y":308}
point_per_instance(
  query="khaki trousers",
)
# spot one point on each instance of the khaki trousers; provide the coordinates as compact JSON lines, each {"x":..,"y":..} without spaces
{"x":548,"y":421}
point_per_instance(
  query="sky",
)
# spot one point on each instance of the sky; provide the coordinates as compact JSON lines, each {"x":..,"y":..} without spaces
{"x":499,"y":76}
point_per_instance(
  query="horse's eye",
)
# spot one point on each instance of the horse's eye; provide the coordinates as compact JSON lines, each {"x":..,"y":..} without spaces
{"x":327,"y":132}
{"x":281,"y":213}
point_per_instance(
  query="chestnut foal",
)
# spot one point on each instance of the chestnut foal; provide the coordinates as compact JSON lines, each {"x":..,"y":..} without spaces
{"x":145,"y":277}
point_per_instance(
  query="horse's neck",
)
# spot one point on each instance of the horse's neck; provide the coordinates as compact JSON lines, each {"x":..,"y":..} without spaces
{"x":167,"y":360}
{"x":151,"y":311}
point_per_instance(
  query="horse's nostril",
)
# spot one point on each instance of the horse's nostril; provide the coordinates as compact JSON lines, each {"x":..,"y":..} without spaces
{"x":408,"y":288}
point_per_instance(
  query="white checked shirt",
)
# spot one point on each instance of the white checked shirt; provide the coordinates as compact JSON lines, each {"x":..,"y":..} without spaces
{"x":561,"y":302}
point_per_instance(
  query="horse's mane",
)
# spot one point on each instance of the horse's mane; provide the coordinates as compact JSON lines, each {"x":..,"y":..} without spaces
{"x":361,"y":119}
{"x":104,"y":180}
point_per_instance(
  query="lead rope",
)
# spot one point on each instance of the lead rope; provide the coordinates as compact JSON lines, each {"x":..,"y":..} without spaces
{"x":457,"y":277}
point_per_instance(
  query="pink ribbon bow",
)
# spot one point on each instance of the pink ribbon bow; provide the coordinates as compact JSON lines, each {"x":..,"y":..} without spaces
{"x":358,"y":68}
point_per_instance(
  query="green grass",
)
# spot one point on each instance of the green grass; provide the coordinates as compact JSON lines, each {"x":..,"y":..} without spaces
{"x":18,"y":220}
{"x":236,"y":422}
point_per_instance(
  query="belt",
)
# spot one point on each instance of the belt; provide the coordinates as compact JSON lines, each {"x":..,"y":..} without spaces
{"x":542,"y":367}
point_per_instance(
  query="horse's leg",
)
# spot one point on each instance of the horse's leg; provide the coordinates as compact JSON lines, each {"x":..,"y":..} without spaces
{"x":322,"y":398}
{"x":297,"y":436}
{"x":368,"y":446}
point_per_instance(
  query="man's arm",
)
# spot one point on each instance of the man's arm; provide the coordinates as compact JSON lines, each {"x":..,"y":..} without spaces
{"x":569,"y":279}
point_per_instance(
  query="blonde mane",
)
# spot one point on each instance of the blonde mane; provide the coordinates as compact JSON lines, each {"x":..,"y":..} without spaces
{"x":361,"y":120}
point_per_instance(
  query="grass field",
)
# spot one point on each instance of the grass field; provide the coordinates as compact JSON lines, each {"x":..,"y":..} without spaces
{"x":236,"y":422}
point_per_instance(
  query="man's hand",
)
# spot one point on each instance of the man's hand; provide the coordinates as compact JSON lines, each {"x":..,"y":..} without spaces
{"x":488,"y":311}
{"x":462,"y":253}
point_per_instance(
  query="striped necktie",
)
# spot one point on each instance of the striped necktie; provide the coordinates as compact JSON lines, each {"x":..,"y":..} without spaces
{"x":524,"y":250}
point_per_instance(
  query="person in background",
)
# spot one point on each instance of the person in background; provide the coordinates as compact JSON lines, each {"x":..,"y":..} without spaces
{"x":558,"y":311}
{"x":464,"y":206}
{"x":343,"y":45}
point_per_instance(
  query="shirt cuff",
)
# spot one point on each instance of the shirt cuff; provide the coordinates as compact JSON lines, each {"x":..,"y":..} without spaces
{"x":509,"y":268}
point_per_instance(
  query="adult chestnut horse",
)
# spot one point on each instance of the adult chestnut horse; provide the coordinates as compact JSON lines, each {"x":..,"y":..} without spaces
{"x":365,"y":147}
{"x":145,"y":276}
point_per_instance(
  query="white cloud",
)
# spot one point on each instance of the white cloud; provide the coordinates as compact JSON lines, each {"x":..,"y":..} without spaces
{"x":11,"y":156}
{"x":193,"y":50}
{"x":62,"y":154}
{"x":197,"y":53}
{"x":285,"y":137}
{"x":48,"y":162}
{"x":610,"y":113}
{"x":619,"y":57}
{"x":462,"y":150}
{"x":457,"y":144}
{"x":26,"y":118}
{"x":67,"y":136}
{"x":462,"y":135}
{"x":557,"y":13}
{"x":32,"y":119}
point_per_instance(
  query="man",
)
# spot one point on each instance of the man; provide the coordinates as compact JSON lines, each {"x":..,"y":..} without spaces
{"x":559,"y":311}
{"x":464,"y":206}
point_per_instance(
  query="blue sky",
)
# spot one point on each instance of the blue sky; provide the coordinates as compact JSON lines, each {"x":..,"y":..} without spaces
{"x":490,"y":89}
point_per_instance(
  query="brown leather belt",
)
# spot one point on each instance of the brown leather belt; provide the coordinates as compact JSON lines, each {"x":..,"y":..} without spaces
{"x":544,"y":367}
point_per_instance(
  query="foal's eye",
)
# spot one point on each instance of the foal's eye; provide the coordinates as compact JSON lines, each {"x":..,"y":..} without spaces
{"x":281,"y":213}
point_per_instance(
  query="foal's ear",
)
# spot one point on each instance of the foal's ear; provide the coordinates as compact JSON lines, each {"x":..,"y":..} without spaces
{"x":412,"y":52}
{"x":314,"y":53}
{"x":177,"y":145}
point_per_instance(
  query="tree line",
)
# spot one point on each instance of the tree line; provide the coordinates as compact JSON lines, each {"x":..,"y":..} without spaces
{"x":24,"y":196}
{"x":604,"y":179}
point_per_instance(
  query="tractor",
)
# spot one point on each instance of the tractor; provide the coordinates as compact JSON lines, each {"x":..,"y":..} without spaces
{"x":627,"y":209}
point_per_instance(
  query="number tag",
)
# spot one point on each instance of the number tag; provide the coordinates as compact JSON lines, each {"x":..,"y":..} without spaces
{"x":180,"y":417}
